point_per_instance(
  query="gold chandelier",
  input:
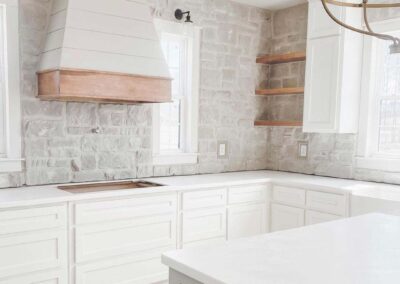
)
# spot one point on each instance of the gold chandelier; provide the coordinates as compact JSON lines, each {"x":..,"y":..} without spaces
{"x":394,"y":48}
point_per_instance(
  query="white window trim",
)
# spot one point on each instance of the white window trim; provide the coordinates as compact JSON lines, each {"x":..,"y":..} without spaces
{"x":12,"y":161}
{"x":366,"y":158}
{"x":190,"y":155}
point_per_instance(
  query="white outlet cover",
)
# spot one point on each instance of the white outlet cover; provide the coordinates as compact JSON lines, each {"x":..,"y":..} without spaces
{"x":222,"y":149}
{"x":303,"y":150}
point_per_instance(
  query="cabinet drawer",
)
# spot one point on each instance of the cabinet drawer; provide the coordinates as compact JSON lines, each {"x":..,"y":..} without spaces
{"x":285,"y":217}
{"x":327,"y":202}
{"x":32,"y":252}
{"x":48,"y":277}
{"x":204,"y":199}
{"x":205,"y":243}
{"x":203,"y":224}
{"x":247,"y":193}
{"x":32,"y":219}
{"x":144,"y":267}
{"x":124,"y":237}
{"x":313,"y":217}
{"x":93,"y":212}
{"x":289,"y":195}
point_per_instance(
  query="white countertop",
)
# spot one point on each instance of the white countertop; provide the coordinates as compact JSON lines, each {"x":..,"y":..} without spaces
{"x":38,"y":195}
{"x":363,"y":249}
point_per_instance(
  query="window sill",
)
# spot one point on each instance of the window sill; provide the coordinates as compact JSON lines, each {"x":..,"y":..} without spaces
{"x":175,"y":159}
{"x":380,"y":164}
{"x":10,"y":165}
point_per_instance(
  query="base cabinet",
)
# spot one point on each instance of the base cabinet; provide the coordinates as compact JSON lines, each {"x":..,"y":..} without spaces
{"x":49,"y":277}
{"x":33,"y":245}
{"x":178,"y":278}
{"x":120,"y":241}
{"x":313,"y":217}
{"x":138,"y":268}
{"x":203,"y":226}
{"x":285,"y":217}
{"x":247,"y":221}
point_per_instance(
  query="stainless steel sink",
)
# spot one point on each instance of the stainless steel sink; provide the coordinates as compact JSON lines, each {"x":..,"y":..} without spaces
{"x":96,"y":187}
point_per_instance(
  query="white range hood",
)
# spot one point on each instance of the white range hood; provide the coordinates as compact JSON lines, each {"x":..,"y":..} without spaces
{"x":103,"y":50}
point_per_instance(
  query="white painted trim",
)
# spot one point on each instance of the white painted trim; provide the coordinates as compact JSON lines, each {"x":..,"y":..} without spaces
{"x":191,"y":113}
{"x":10,"y":165}
{"x":380,"y":164}
{"x":175,"y":159}
{"x":11,"y":162}
{"x":367,"y":144}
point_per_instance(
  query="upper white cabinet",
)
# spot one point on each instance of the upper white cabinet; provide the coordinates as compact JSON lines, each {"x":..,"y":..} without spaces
{"x":333,"y":71}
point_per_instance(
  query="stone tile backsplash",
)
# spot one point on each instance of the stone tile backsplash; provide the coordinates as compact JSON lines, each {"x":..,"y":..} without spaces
{"x":59,"y":143}
{"x":60,"y":146}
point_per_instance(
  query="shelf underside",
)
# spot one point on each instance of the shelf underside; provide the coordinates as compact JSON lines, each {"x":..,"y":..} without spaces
{"x":280,"y":91}
{"x":282,"y":58}
{"x":278,"y":123}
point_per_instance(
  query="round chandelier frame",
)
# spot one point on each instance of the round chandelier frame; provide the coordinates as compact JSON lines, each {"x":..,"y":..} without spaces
{"x":394,"y":48}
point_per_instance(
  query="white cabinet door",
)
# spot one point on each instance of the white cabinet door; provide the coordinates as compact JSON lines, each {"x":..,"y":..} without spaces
{"x":205,"y":224}
{"x":313,"y":217}
{"x":333,"y":70}
{"x":121,"y":241}
{"x":321,"y":86}
{"x":246,"y":221}
{"x":285,"y":217}
{"x":319,"y":23}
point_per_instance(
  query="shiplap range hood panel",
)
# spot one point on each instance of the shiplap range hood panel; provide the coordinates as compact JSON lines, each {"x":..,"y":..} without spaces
{"x":103,"y":50}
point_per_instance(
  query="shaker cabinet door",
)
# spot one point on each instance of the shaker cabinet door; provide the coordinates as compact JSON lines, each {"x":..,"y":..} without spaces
{"x":285,"y":217}
{"x":247,"y":221}
{"x":321,"y":89}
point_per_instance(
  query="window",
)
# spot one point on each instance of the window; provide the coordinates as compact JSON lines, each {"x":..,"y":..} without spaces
{"x":379,"y":137}
{"x":10,"y":121}
{"x":175,"y":123}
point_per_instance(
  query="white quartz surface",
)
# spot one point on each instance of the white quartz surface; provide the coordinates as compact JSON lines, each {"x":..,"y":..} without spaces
{"x":28,"y":196}
{"x":363,"y":250}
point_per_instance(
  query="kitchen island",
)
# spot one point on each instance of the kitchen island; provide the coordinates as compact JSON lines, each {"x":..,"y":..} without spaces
{"x":364,"y":249}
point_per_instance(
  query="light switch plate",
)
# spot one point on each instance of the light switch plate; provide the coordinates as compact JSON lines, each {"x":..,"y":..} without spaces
{"x":302,"y":152}
{"x":222,"y":149}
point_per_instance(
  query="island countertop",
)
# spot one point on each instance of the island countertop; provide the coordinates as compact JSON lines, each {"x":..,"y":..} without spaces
{"x":363,"y":249}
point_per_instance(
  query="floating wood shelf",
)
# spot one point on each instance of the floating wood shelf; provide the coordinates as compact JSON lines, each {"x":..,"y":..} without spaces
{"x":277,"y":123}
{"x":282,"y":58}
{"x":280,"y":91}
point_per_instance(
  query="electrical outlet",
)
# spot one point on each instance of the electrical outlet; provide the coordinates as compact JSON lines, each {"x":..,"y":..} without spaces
{"x":222,"y":149}
{"x":302,"y":150}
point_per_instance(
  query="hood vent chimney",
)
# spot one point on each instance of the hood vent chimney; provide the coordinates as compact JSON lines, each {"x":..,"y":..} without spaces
{"x":103,"y":50}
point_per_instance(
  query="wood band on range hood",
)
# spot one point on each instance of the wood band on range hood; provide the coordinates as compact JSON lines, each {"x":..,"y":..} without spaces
{"x":103,"y":50}
{"x":106,"y":87}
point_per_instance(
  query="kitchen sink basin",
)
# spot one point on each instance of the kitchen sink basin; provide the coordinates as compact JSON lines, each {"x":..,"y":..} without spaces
{"x":96,"y":187}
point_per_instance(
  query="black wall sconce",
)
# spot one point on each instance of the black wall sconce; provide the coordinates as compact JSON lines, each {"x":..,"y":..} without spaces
{"x":179,"y":15}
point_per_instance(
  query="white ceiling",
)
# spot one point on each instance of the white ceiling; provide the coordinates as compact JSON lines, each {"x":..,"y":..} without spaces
{"x":271,"y":4}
